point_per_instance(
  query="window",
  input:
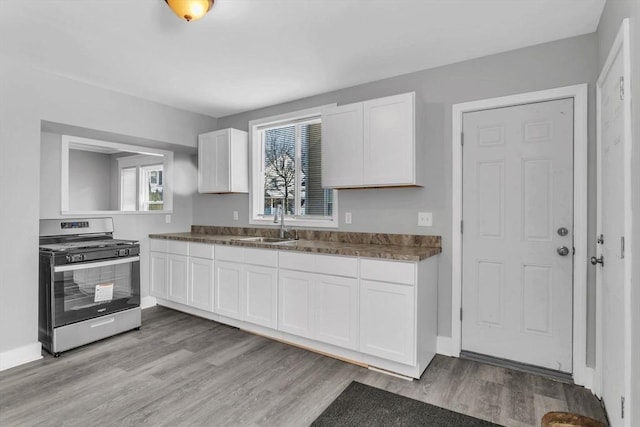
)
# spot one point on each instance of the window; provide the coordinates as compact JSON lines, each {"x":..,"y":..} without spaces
{"x":141,"y":186}
{"x":286,"y":160}
{"x":105,"y":176}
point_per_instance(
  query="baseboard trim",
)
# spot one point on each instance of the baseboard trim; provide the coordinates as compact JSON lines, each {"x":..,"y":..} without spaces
{"x":148,"y":301}
{"x":444,"y":345}
{"x":21,"y":355}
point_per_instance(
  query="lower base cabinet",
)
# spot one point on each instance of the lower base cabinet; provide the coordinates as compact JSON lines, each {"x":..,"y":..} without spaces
{"x":319,"y":307}
{"x":378,"y":312}
{"x":387,"y":321}
{"x":201,"y":283}
{"x":246,"y":292}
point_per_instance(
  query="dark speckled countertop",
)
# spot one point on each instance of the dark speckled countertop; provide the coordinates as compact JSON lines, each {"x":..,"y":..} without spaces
{"x":403,"y":247}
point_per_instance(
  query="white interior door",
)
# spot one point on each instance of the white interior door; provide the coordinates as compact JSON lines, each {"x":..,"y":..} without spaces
{"x":517,"y":240}
{"x":611,"y":226}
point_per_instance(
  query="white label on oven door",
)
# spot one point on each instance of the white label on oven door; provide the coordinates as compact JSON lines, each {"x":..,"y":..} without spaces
{"x":104,"y":292}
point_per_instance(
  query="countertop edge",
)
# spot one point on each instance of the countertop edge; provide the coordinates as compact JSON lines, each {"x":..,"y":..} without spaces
{"x":332,"y":248}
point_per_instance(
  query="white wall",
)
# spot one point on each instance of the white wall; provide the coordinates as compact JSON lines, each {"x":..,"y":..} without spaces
{"x":27,"y":97}
{"x":614,"y":12}
{"x":394,"y":210}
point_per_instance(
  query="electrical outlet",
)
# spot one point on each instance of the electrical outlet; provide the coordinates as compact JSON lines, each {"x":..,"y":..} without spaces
{"x":167,"y":219}
{"x":235,"y":215}
{"x":347,"y":217}
{"x":425,"y":219}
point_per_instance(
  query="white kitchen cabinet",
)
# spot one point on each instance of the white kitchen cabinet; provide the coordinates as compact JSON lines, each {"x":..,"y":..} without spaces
{"x":295,"y":303}
{"x":336,"y":320}
{"x":178,"y":278}
{"x":342,"y":146}
{"x":370,"y":143}
{"x":228,"y":289}
{"x":319,"y":306}
{"x":201,"y":271}
{"x":246,"y":284}
{"x":223,"y":162}
{"x":260,"y":295}
{"x":387,"y":321}
{"x":158,"y":274}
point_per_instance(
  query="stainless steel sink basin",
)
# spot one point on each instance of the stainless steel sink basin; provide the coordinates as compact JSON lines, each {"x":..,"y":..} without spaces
{"x":269,"y":240}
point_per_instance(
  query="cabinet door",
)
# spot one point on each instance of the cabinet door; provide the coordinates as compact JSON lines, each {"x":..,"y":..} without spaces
{"x":387,"y":321}
{"x":158,"y":274}
{"x":261,"y":291}
{"x":213,"y":162}
{"x":295,"y":310}
{"x":201,"y":283}
{"x":178,"y":277}
{"x":228,"y":289}
{"x":389,"y":152}
{"x":342,"y":146}
{"x":337,"y":311}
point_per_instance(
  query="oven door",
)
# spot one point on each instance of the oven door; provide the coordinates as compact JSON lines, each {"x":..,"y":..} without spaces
{"x":86,"y":290}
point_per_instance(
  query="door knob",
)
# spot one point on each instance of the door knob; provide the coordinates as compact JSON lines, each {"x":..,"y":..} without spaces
{"x":563,"y":251}
{"x":599,"y":260}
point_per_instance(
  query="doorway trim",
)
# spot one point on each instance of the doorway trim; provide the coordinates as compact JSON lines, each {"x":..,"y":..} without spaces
{"x":620,"y":44}
{"x":581,"y":375}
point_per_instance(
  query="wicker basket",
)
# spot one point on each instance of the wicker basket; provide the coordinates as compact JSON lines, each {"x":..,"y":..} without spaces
{"x":566,"y":419}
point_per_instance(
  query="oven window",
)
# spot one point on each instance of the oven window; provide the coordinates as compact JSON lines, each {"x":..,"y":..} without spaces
{"x":85,"y":293}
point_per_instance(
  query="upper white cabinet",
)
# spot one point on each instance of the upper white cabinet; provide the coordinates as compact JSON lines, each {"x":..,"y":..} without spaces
{"x":370,"y":143}
{"x":223,"y":162}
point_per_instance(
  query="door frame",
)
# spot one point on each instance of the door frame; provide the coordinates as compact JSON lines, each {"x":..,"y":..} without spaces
{"x":620,"y":44}
{"x":581,"y":375}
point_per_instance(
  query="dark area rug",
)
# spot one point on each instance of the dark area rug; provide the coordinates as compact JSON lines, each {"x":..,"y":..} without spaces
{"x":362,"y":405}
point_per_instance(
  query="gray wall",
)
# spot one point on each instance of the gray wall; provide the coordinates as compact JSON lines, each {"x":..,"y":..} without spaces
{"x":614,"y":12}
{"x":28,"y":98}
{"x":551,"y":65}
{"x":89,"y":180}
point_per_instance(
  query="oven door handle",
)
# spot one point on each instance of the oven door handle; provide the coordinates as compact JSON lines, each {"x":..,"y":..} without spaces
{"x":85,"y":265}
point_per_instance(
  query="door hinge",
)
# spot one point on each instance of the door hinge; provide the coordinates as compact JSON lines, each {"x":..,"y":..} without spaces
{"x":621,"y":87}
{"x":621,"y":247}
{"x":461,"y":226}
{"x":462,"y":139}
{"x":461,"y":314}
{"x":622,"y":407}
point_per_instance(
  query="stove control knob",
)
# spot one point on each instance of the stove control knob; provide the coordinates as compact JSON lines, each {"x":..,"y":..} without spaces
{"x":123,"y":252}
{"x":75,"y":258}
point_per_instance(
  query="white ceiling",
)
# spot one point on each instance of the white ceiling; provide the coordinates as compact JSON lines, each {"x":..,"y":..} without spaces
{"x":247,"y":54}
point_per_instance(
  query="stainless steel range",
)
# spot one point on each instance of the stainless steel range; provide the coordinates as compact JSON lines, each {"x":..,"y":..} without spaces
{"x":89,"y":283}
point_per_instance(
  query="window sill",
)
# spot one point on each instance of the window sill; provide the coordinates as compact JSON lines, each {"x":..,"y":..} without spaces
{"x":84,"y":213}
{"x":296,"y":223}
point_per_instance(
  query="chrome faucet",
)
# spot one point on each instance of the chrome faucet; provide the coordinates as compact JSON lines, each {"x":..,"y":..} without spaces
{"x":283,"y":229}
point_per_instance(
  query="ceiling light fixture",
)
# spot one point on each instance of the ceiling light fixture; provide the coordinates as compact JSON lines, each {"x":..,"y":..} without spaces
{"x":190,"y":10}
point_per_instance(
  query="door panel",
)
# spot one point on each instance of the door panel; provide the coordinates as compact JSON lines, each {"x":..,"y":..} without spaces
{"x":517,"y":293}
{"x":611,"y":207}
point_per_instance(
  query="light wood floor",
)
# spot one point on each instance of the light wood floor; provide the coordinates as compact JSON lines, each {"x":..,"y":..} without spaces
{"x":183,"y":370}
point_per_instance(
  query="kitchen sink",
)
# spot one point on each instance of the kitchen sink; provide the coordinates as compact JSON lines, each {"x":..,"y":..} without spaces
{"x":269,"y":240}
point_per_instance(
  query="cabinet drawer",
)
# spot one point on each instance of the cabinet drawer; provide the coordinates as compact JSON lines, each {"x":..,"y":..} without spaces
{"x":296,"y":261}
{"x":229,"y":253}
{"x":388,"y":271}
{"x":201,"y":250}
{"x":336,"y":265}
{"x":158,"y":245}
{"x":177,"y":247}
{"x":266,"y":257}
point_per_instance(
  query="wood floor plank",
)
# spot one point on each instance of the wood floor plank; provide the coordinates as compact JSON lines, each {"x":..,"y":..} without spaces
{"x":180,"y":370}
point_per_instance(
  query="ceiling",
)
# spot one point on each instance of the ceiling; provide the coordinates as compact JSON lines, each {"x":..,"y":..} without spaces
{"x":247,"y":54}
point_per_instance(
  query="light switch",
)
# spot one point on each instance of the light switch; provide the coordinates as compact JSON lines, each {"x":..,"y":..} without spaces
{"x":235,"y":215}
{"x":167,"y":219}
{"x":347,"y":217}
{"x":425,"y":219}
